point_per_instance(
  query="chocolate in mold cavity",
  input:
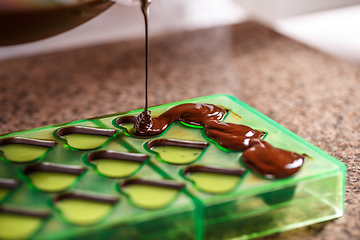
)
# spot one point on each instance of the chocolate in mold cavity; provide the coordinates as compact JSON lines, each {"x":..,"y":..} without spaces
{"x":271,"y":162}
{"x":158,"y":183}
{"x":197,"y":168}
{"x":8,"y":183}
{"x":177,"y":143}
{"x":31,"y":213}
{"x":86,"y":197}
{"x":53,"y":167}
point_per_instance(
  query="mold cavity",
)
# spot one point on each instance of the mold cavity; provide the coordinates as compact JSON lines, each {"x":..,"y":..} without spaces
{"x":116,"y":164}
{"x":213,"y":180}
{"x":177,"y":151}
{"x":19,"y":224}
{"x":126,"y":122}
{"x":6,"y":186}
{"x":151,"y":194}
{"x":22,"y":150}
{"x":83,"y":209}
{"x":85,"y":138}
{"x":50,"y":177}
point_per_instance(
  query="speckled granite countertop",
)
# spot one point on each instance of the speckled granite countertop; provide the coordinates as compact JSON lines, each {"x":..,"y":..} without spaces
{"x":312,"y":94}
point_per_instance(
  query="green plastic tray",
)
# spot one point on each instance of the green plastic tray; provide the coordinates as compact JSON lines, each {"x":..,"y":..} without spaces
{"x":254,"y":206}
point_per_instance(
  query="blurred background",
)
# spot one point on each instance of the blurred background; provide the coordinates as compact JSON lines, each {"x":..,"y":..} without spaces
{"x":328,"y":25}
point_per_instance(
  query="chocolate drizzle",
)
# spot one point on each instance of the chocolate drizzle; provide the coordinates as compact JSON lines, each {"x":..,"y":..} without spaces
{"x":259,"y":156}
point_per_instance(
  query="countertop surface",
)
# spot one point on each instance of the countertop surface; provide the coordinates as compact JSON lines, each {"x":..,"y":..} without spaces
{"x":308,"y":92}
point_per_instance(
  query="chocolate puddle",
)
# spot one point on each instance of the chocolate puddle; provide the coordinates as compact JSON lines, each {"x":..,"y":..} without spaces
{"x":271,"y":162}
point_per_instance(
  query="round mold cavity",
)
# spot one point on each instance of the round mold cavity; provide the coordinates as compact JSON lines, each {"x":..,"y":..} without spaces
{"x":84,"y":209}
{"x":116,"y":164}
{"x":85,"y":138}
{"x":177,"y":151}
{"x":51,"y":177}
{"x":20,"y":223}
{"x":6,"y":186}
{"x":151,"y":194}
{"x":24,"y":150}
{"x":213,"y":180}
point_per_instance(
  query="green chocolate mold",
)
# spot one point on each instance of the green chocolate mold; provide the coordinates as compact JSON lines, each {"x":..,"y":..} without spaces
{"x":23,"y":150}
{"x":150,"y":194}
{"x":81,"y":209}
{"x":116,"y":164}
{"x":177,"y":151}
{"x":214,"y":180}
{"x":50,"y":177}
{"x":85,"y":138}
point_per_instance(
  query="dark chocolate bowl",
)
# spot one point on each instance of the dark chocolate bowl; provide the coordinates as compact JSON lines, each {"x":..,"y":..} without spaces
{"x":23,"y":21}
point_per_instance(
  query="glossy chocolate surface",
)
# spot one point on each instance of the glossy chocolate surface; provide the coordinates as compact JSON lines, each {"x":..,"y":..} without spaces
{"x":271,"y":162}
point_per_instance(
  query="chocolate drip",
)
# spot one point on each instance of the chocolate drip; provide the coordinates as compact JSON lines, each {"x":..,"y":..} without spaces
{"x":271,"y":162}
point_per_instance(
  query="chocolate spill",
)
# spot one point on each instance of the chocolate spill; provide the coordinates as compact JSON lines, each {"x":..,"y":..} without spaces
{"x":271,"y":162}
{"x":135,"y":157}
{"x":53,"y":167}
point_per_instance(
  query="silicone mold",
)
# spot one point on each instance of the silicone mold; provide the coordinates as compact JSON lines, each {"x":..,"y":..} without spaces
{"x":166,"y":189}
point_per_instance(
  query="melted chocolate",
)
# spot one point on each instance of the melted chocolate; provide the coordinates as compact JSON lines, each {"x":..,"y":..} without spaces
{"x":259,"y":155}
{"x":271,"y":162}
{"x":190,"y":113}
{"x":232,"y":136}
